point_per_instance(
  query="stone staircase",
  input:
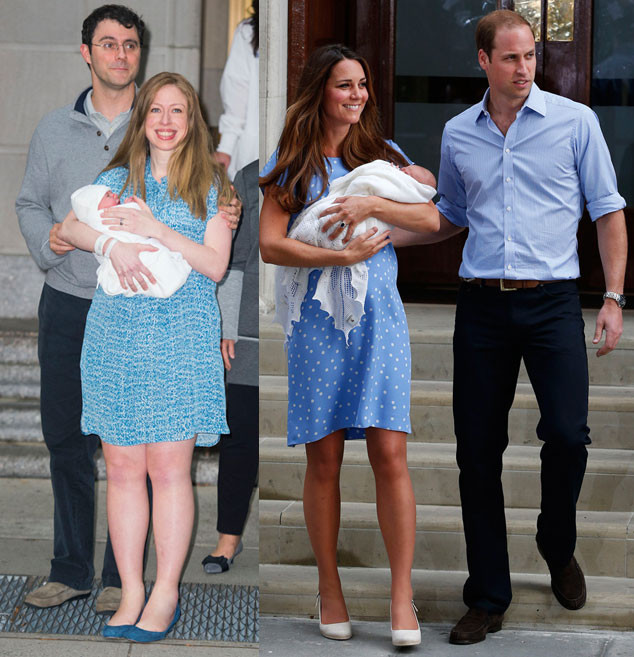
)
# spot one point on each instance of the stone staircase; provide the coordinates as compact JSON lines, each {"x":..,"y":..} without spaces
{"x":22,"y":449}
{"x":605,"y":550}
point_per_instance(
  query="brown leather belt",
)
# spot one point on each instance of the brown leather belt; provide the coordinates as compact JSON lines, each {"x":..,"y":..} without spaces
{"x":507,"y":285}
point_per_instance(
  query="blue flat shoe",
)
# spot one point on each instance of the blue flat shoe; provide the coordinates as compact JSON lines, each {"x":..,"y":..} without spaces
{"x":146,"y":636}
{"x":115,"y":631}
{"x":118,"y":631}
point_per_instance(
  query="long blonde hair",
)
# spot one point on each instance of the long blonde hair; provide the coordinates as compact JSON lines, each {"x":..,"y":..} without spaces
{"x":300,"y":153}
{"x":191,"y":170}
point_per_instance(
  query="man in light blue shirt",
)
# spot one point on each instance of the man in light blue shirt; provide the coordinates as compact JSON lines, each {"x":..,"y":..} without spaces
{"x":516,"y":170}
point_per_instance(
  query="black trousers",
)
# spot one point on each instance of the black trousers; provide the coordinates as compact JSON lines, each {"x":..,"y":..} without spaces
{"x":494,"y":331}
{"x":62,"y":319}
{"x":238,"y":465}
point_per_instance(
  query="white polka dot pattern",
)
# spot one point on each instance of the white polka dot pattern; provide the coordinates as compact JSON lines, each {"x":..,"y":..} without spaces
{"x":332,"y":386}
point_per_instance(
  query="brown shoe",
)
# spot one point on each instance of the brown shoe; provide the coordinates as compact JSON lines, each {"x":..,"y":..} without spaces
{"x":53,"y":594}
{"x":568,"y":583}
{"x":108,"y":600}
{"x":474,"y":626}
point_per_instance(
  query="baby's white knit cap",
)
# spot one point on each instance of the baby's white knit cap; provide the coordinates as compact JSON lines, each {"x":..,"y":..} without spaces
{"x":86,"y":199}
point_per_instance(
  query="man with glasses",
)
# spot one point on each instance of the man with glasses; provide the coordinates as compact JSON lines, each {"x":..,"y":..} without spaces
{"x":69,"y":148}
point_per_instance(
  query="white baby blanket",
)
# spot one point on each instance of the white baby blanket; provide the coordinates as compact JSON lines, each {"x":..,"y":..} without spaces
{"x":169,"y":268}
{"x":341,"y":291}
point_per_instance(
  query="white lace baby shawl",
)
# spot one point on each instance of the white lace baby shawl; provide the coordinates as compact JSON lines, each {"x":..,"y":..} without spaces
{"x":341,"y":291}
{"x":169,"y":268}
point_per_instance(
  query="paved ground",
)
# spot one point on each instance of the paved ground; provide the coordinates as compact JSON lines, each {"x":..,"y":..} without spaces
{"x":26,"y":523}
{"x":299,"y":637}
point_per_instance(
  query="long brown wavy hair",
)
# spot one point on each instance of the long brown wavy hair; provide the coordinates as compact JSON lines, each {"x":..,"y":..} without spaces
{"x":300,"y":151}
{"x":191,"y":170}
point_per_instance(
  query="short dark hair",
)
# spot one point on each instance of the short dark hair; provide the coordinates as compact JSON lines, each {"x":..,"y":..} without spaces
{"x":489,"y":25}
{"x":119,"y":13}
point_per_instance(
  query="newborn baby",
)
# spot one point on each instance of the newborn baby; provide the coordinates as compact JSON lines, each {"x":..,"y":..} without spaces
{"x":341,"y":290}
{"x":169,"y":268}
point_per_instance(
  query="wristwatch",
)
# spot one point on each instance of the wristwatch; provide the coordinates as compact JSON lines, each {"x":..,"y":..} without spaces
{"x":619,"y":298}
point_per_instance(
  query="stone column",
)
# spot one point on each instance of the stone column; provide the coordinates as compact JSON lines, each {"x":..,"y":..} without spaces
{"x":273,"y":55}
{"x":43,"y":70}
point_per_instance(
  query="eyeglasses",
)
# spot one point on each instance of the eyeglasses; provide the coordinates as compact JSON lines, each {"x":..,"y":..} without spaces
{"x":131,"y":47}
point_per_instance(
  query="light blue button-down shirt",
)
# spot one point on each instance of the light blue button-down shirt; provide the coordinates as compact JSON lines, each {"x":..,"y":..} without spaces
{"x":522,"y":195}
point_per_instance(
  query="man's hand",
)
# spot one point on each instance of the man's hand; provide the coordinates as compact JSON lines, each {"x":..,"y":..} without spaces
{"x":56,"y":244}
{"x":231,"y":213}
{"x":228,"y":349}
{"x":610,"y":320}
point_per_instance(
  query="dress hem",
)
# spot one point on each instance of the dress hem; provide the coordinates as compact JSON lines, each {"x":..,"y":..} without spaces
{"x":213,"y":439}
{"x":349,"y":426}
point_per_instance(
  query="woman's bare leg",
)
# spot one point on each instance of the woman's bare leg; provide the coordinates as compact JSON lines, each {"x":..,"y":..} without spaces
{"x":169,"y":467}
{"x":396,"y":510}
{"x":322,"y":509}
{"x":128,"y":517}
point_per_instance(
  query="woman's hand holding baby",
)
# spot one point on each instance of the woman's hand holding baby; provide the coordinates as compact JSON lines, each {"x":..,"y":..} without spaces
{"x":140,"y":222}
{"x":126,"y":262}
{"x":348,"y":211}
{"x":364,"y":246}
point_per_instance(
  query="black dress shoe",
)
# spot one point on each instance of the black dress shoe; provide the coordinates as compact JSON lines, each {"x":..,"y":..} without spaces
{"x":474,"y":626}
{"x":567,"y":582}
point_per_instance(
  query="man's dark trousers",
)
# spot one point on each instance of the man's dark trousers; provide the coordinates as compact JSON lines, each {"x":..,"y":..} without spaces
{"x":494,"y":330}
{"x":62,"y":318}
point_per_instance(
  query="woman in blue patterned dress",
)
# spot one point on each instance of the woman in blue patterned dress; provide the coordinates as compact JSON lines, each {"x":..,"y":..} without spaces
{"x":339,"y":390}
{"x":152,"y":374}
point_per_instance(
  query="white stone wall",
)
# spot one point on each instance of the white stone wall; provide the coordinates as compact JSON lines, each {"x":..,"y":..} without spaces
{"x":41,"y":70}
{"x":273,"y":55}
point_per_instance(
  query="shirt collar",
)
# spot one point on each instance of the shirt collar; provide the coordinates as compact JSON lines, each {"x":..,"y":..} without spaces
{"x":536,"y":101}
{"x":90,"y":108}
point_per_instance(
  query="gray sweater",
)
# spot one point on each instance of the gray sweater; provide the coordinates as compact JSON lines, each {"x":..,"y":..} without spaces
{"x":238,"y":292}
{"x":67,"y":151}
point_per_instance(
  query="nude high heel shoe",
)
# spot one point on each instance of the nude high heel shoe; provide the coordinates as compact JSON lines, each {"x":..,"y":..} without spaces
{"x":336,"y":631}
{"x":405,"y":637}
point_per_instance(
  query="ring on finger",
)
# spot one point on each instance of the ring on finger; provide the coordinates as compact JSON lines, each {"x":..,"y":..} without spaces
{"x":120,"y":222}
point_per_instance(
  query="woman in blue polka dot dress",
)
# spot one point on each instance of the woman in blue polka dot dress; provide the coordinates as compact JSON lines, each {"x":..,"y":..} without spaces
{"x":340,"y":390}
{"x":152,"y":373}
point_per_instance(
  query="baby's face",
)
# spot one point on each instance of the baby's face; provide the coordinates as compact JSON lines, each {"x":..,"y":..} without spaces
{"x":109,"y":200}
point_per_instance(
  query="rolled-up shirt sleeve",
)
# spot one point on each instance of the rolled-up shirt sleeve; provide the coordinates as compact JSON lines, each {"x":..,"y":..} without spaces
{"x":452,"y":202}
{"x":33,"y":207}
{"x":595,"y":168}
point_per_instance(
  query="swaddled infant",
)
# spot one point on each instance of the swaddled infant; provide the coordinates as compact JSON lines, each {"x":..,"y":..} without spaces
{"x":341,"y":291}
{"x":169,"y":268}
{"x":362,"y":182}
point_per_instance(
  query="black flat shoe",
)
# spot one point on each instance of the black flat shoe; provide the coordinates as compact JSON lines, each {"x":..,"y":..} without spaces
{"x":214,"y":565}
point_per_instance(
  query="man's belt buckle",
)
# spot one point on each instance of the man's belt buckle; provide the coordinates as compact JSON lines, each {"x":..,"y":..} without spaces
{"x":503,"y":287}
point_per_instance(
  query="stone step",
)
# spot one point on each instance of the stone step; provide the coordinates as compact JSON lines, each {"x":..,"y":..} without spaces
{"x":611,"y":417}
{"x":603,"y":548}
{"x":431,"y":332}
{"x":18,"y":341}
{"x":608,"y":483}
{"x":28,"y":460}
{"x":290,"y":591}
{"x":19,"y":381}
{"x":20,"y":420}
